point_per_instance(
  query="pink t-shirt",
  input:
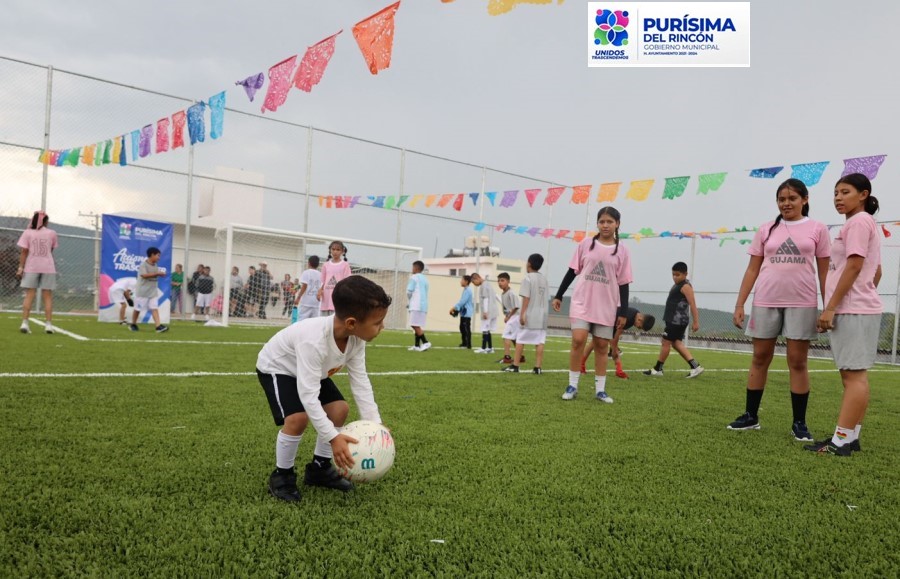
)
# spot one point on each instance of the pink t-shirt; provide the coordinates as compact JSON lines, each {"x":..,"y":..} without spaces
{"x":331,"y":274}
{"x":858,"y":236}
{"x":787,"y":278}
{"x":40,"y":244}
{"x":600,"y":273}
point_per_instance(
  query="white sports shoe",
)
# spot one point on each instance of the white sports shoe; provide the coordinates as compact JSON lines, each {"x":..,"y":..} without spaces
{"x":424,"y":346}
{"x":488,"y":351}
{"x":48,"y":327}
{"x":604,"y":397}
{"x":414,"y":349}
{"x":24,"y":327}
{"x":570,"y":393}
{"x":695,"y":372}
{"x":479,"y":351}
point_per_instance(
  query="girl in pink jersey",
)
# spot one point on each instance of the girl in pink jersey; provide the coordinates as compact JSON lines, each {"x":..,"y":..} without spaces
{"x":852,"y":307}
{"x":788,"y":263}
{"x":603,"y":268}
{"x":334,"y":270}
{"x":37,"y":268}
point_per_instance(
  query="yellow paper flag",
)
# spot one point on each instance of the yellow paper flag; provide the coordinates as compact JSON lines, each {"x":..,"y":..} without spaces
{"x":639,"y":190}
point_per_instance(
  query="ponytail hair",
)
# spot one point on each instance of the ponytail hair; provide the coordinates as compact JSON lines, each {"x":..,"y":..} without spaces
{"x":39,"y":219}
{"x":798,"y":187}
{"x":861,"y":183}
{"x":614,"y":213}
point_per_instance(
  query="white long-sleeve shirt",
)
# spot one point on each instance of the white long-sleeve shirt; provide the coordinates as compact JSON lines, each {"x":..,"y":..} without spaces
{"x":307,"y":350}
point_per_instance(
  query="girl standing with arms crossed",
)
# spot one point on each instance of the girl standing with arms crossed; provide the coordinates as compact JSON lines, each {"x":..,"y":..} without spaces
{"x":852,"y":308}
{"x":37,"y":268}
{"x":788,"y":257}
{"x":334,"y":270}
{"x":597,"y":308}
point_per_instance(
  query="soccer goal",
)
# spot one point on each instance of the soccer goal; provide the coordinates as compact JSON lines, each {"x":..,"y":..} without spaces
{"x":282,"y":256}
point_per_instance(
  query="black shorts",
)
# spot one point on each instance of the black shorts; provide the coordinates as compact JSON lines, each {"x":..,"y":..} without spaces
{"x":284,"y":400}
{"x":674,"y":332}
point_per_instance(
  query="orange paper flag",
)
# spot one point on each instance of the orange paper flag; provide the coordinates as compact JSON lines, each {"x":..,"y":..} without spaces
{"x":581,"y":194}
{"x":578,"y":236}
{"x":375,"y":37}
{"x":608,"y":192}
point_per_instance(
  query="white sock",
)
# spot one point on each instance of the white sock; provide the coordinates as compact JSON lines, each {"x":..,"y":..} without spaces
{"x":842,"y":436}
{"x":856,"y":431}
{"x":599,"y":384}
{"x":323,"y":448}
{"x":573,"y":378}
{"x":286,"y":449}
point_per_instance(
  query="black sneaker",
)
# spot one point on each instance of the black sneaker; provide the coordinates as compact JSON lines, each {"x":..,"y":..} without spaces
{"x":327,"y":477}
{"x":161,"y":328}
{"x":745,"y":421}
{"x":511,"y":369}
{"x":283,"y":485}
{"x":537,"y":371}
{"x":133,"y":328}
{"x":828,"y":447}
{"x":854,"y":446}
{"x":801,"y":432}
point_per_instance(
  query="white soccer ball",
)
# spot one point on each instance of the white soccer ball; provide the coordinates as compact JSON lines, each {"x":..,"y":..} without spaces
{"x":374,"y":453}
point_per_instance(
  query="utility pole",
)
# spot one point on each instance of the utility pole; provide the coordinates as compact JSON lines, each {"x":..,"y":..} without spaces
{"x":96,"y":217}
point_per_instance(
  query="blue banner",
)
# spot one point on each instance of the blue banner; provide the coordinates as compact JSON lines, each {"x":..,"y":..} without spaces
{"x":124,"y":246}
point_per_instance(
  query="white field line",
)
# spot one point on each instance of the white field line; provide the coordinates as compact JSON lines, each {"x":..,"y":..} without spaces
{"x":403,"y":373}
{"x":59,"y":330}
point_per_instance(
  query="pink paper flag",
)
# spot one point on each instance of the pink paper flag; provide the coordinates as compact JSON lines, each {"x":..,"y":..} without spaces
{"x":280,"y":77}
{"x":547,"y":233}
{"x":375,"y":37}
{"x":531,"y":195}
{"x":178,"y":120}
{"x":562,"y":233}
{"x":314,"y":63}
{"x":162,"y":135}
{"x":553,"y":195}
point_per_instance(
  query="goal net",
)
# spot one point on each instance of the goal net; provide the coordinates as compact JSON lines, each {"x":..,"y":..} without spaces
{"x":278,"y":257}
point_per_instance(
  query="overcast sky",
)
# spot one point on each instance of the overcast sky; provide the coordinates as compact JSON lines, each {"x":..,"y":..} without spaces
{"x":512,"y":92}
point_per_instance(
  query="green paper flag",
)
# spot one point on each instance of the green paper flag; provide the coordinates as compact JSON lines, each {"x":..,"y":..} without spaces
{"x":710,"y":182}
{"x":675,"y":187}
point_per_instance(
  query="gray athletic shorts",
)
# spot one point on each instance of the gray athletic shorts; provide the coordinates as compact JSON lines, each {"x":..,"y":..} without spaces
{"x":44,"y":281}
{"x":600,"y":331}
{"x":854,"y":340}
{"x":792,"y":323}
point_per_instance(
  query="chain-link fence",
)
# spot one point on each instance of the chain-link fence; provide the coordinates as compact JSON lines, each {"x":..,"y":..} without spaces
{"x":274,"y":173}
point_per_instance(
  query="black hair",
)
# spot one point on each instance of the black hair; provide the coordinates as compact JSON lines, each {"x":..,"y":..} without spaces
{"x":614,"y":213}
{"x":357,"y":297}
{"x":536,"y":260}
{"x":420,"y":265}
{"x":503,"y":275}
{"x":680,"y":267}
{"x":151,"y":251}
{"x":468,"y":279}
{"x":861,"y":183}
{"x":343,"y":247}
{"x":797,"y":186}
{"x":649,"y":321}
{"x":314,"y":261}
{"x":37,"y":221}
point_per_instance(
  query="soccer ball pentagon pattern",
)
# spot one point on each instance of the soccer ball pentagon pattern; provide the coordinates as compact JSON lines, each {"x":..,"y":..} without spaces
{"x":374,"y":454}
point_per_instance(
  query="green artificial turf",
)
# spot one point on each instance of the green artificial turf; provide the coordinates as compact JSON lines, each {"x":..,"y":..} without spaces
{"x":495,"y":475}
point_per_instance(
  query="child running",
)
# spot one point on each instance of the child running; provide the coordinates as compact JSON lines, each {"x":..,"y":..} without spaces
{"x":600,"y":297}
{"x":681,"y":308}
{"x":787,"y":256}
{"x":295,"y":369}
{"x":333,"y":271}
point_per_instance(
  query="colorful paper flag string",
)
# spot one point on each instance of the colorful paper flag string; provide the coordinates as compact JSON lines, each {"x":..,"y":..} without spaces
{"x":196,"y":123}
{"x":162,"y":135}
{"x":509,"y":198}
{"x":375,"y":37}
{"x":314,"y":63}
{"x":765,"y":172}
{"x":710,"y":182}
{"x":178,"y":120}
{"x":531,"y":195}
{"x":581,"y":194}
{"x":639,"y":190}
{"x":553,"y":195}
{"x":608,"y":192}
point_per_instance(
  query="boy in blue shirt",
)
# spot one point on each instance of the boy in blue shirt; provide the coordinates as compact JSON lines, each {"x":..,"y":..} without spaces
{"x":464,"y":308}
